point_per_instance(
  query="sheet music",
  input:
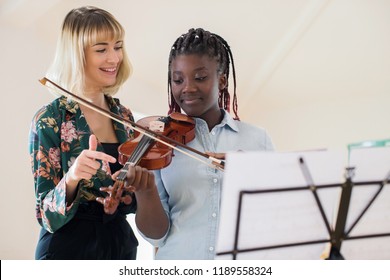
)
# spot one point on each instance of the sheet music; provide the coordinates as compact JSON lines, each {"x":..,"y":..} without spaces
{"x":282,"y":216}
{"x":278,"y":217}
{"x":370,"y":163}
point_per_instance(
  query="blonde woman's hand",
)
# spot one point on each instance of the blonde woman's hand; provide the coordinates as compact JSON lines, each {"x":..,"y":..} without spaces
{"x":87,"y":164}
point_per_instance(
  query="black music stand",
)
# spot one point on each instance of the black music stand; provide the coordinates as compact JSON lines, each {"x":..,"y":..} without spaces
{"x":314,"y":217}
{"x":363,"y":223}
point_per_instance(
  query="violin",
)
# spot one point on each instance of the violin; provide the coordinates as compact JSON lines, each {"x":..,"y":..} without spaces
{"x":149,"y":153}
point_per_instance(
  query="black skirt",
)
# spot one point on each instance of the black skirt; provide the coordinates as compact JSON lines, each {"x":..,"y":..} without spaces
{"x":90,"y":235}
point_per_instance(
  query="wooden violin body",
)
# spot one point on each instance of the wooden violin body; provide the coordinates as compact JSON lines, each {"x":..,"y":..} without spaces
{"x":151,"y":154}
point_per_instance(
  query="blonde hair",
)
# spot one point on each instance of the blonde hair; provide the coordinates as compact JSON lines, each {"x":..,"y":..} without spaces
{"x":81,"y":28}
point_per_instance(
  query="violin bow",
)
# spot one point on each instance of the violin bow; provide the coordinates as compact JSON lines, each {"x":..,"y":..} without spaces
{"x":215,"y":163}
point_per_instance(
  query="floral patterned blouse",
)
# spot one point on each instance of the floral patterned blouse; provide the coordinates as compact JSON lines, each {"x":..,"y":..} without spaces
{"x":58,"y":134}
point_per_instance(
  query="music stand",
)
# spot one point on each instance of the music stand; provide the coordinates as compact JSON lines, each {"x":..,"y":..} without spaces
{"x":367,"y":227}
{"x":294,"y":206}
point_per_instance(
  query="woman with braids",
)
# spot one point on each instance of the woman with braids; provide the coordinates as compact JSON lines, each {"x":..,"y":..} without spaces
{"x":73,"y":150}
{"x":190,"y":191}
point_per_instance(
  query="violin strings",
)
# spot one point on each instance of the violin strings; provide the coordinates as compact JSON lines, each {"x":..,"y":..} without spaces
{"x":122,"y":173}
{"x":140,"y":149}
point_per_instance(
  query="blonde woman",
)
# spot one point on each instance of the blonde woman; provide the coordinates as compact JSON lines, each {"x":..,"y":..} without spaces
{"x":74,"y":150}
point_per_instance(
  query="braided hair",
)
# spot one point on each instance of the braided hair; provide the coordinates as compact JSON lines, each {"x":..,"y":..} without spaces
{"x":201,"y":42}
